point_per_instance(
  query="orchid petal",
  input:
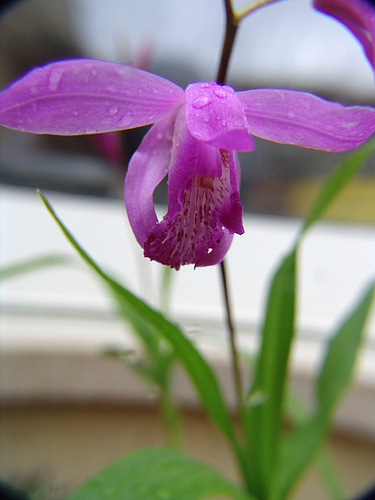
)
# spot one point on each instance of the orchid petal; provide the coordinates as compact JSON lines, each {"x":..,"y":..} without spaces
{"x":299,"y":118}
{"x":358,"y":16}
{"x":84,"y":96}
{"x":203,"y":209}
{"x":147,"y":167}
{"x":215,"y":116}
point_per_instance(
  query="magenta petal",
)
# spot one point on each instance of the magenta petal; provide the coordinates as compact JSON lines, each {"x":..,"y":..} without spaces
{"x":203,"y":210}
{"x":147,"y":167}
{"x":215,"y":116}
{"x":299,"y":118}
{"x":84,"y":96}
{"x":358,"y":16}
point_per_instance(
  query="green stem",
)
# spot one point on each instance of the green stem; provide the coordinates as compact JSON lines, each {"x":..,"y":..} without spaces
{"x":171,"y":418}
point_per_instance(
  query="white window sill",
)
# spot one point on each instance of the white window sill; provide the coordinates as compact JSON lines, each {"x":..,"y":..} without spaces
{"x":55,"y":321}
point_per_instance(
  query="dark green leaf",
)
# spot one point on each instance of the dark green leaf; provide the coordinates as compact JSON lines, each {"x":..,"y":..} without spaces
{"x":266,"y":396}
{"x":140,"y":315}
{"x":302,"y":444}
{"x":158,"y":474}
{"x":341,"y":353}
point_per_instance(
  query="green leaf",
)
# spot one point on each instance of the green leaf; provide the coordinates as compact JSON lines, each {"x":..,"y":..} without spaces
{"x":336,"y":182}
{"x":337,"y":367}
{"x":142,"y":316}
{"x":266,"y":396}
{"x":34,"y":264}
{"x":302,"y":444}
{"x":158,"y":474}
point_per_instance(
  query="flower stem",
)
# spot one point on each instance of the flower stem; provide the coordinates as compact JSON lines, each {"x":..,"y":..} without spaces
{"x":230,"y":35}
{"x":233,"y":347}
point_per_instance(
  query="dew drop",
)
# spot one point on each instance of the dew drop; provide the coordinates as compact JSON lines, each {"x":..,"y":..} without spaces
{"x":75,"y":113}
{"x":159,"y":136}
{"x":113,"y":110}
{"x":126,"y":120}
{"x":201,"y":101}
{"x":121,"y":71}
{"x":224,"y":123}
{"x":90,"y":130}
{"x":94,"y":72}
{"x":206,"y":118}
{"x":55,"y":78}
{"x":111,"y":87}
{"x":205,"y":85}
{"x":228,"y":89}
{"x":220,"y":92}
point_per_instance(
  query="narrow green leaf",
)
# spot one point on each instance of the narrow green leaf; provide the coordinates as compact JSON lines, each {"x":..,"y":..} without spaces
{"x":158,"y":474}
{"x":336,"y":182}
{"x":34,"y":264}
{"x":337,"y":367}
{"x":266,"y":396}
{"x":302,"y":444}
{"x":138,"y":312}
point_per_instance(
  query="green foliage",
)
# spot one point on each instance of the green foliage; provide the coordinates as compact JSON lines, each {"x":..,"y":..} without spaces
{"x":158,"y":473}
{"x":151,"y":326}
{"x":269,"y":460}
{"x":276,"y":464}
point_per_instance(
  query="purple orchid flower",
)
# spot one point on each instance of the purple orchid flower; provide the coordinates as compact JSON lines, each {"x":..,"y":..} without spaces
{"x":358,"y":16}
{"x":194,"y":140}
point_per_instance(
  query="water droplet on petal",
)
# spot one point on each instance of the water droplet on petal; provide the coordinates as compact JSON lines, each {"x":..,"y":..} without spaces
{"x":201,"y":101}
{"x":55,"y":78}
{"x":126,"y":120}
{"x":220,"y":92}
{"x":206,"y":118}
{"x":159,"y":136}
{"x":113,"y":110}
{"x":90,"y":130}
{"x":224,"y":123}
{"x":111,"y":87}
{"x":75,"y":113}
{"x":94,"y":72}
{"x":120,"y":71}
{"x":205,"y":85}
{"x":229,"y":89}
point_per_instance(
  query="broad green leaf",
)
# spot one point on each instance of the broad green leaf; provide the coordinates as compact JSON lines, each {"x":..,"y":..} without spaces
{"x":336,"y":182}
{"x":264,"y":403}
{"x":302,"y":444}
{"x":158,"y":474}
{"x":34,"y":264}
{"x":139,"y":314}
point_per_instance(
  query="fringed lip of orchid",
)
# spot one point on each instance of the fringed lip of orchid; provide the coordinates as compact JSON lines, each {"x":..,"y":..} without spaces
{"x":194,"y":140}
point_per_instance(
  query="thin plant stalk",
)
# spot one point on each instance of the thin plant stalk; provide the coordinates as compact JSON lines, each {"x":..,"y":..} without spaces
{"x":230,"y":35}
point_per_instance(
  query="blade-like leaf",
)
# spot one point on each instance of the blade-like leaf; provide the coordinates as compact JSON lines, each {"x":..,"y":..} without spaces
{"x":265,"y":399}
{"x":341,"y":353}
{"x":139,"y":313}
{"x":157,"y":473}
{"x":336,"y":182}
{"x":34,"y":264}
{"x":266,"y":396}
{"x":301,"y":445}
